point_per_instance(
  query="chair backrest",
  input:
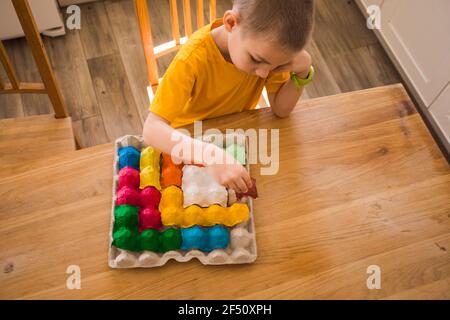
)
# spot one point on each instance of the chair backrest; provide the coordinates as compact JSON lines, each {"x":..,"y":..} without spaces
{"x":49,"y":85}
{"x":152,"y":53}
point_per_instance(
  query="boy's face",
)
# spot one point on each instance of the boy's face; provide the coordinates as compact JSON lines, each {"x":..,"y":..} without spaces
{"x":254,"y":54}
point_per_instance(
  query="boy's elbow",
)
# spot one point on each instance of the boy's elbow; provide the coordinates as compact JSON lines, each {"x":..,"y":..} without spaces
{"x":153,"y":124}
{"x":281,"y":114}
{"x":146,"y":135}
{"x":149,"y":127}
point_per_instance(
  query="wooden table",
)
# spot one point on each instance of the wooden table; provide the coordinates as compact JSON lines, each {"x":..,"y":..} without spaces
{"x":361,"y":183}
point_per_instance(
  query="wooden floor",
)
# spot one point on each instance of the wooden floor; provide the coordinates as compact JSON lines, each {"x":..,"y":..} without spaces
{"x":101,"y":67}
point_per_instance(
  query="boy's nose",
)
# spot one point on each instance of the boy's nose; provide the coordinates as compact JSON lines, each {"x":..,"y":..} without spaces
{"x":263,"y":73}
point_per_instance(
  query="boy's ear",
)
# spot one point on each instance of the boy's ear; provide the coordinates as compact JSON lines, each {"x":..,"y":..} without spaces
{"x":230,"y":19}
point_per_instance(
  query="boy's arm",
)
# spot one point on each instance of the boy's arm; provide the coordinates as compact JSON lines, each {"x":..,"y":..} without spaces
{"x":284,"y":101}
{"x":158,"y":133}
{"x":173,"y":92}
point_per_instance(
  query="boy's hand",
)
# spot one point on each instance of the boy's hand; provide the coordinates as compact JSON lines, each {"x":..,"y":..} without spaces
{"x":231,"y":174}
{"x":301,"y":64}
{"x":285,"y":100}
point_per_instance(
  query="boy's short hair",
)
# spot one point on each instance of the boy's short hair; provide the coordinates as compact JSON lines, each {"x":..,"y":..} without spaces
{"x":289,"y":21}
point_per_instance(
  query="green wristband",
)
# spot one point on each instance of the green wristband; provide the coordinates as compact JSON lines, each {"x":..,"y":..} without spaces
{"x":299,"y":82}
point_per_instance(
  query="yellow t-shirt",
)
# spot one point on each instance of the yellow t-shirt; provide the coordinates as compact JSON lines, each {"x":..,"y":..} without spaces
{"x":200,"y":84}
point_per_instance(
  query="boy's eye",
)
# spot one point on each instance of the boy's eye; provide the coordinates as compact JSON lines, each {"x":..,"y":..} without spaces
{"x":254,"y":60}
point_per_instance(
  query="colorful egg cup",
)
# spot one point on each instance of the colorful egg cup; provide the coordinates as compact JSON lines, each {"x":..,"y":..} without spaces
{"x":150,"y":224}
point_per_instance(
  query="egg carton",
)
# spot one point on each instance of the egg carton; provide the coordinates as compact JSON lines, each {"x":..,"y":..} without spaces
{"x":200,"y":188}
{"x":242,"y":246}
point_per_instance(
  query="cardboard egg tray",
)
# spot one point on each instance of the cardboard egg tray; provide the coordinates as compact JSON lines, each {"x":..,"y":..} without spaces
{"x":242,"y":246}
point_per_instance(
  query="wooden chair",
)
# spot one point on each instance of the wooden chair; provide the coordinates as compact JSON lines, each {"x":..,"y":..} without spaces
{"x":152,"y":53}
{"x":49,"y":85}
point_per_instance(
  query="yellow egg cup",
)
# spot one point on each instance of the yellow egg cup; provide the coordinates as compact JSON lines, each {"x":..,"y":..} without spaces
{"x":173,"y":213}
{"x":150,"y":168}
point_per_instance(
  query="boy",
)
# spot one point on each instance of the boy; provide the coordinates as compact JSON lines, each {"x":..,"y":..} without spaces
{"x":223,"y":68}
